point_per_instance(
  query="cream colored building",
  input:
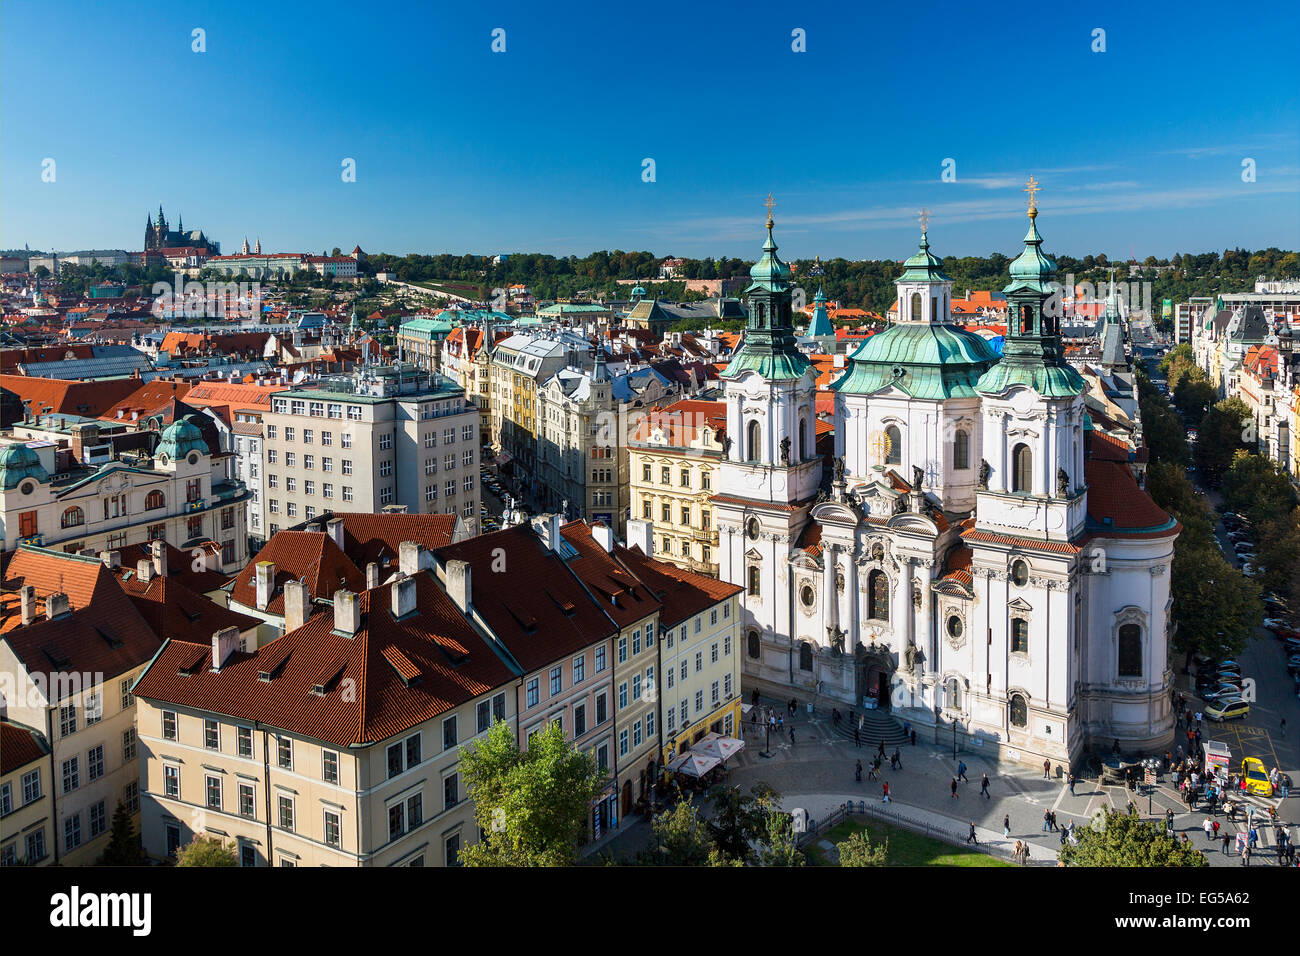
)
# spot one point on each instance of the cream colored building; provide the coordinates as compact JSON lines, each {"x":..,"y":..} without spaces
{"x":673,"y":459}
{"x":25,"y":802}
{"x":74,"y":645}
{"x":271,"y":752}
{"x":182,"y":494}
{"x":385,"y":436}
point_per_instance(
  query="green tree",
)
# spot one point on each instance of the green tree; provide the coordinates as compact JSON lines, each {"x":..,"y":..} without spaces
{"x":780,"y":846}
{"x":740,"y":819}
{"x":207,"y":851}
{"x":684,"y":840}
{"x":858,"y":850}
{"x":1220,"y":438}
{"x":532,"y":805}
{"x":123,"y":842}
{"x":1118,"y":839}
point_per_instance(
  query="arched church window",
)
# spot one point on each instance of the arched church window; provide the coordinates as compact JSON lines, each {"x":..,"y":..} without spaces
{"x":751,"y":640}
{"x":916,"y":307}
{"x":72,"y":517}
{"x":961,"y":450}
{"x":1022,"y":469}
{"x":1130,"y":651}
{"x":878,"y":596}
{"x":753,"y":576}
{"x":1019,"y":636}
{"x":805,"y":656}
{"x":952,"y":693}
{"x":1019,"y":711}
{"x":803,"y":438}
{"x":893,"y":446}
{"x":753,"y":439}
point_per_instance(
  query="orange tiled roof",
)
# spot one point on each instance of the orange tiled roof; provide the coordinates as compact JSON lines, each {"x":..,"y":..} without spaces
{"x":310,"y":556}
{"x":19,"y":746}
{"x":681,"y":593}
{"x":388,"y":677}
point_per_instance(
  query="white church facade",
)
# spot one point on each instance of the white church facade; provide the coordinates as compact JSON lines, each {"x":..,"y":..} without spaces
{"x":967,"y":560}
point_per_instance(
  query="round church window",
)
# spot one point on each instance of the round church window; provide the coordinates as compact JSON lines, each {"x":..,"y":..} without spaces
{"x":1019,"y":574}
{"x":807,"y":595}
{"x":954,"y":626}
{"x":752,"y":529}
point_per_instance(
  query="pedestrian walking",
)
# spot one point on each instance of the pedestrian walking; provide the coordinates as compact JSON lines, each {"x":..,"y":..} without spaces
{"x":1227,"y":838}
{"x":1214,"y":824}
{"x":954,"y":788}
{"x":913,"y":736}
{"x":1047,"y":820}
{"x":884,"y":792}
{"x":972,"y":838}
{"x":792,"y":735}
{"x":1006,"y":826}
{"x":871,"y":772}
{"x":1053,"y":819}
{"x":961,"y":771}
{"x":857,"y":772}
{"x":984,"y":787}
{"x":857,"y":737}
{"x":1245,"y":855}
{"x":881,"y":751}
{"x":1047,"y":769}
{"x":1071,"y":783}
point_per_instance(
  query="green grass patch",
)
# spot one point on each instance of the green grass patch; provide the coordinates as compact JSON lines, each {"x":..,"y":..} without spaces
{"x":906,"y":848}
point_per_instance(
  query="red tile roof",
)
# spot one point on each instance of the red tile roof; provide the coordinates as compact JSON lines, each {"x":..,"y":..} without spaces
{"x":310,"y":556}
{"x":682,"y":421}
{"x":19,"y":746}
{"x":620,"y":594}
{"x":102,"y":634}
{"x":174,"y":611}
{"x":147,"y":399}
{"x":387,"y":678}
{"x":378,"y":537}
{"x":88,"y":399}
{"x":682,"y":593}
{"x":179,"y":564}
{"x":1117,"y":507}
{"x":537,"y":607}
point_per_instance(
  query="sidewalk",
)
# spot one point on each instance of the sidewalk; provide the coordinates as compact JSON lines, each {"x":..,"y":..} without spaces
{"x":953,"y":829}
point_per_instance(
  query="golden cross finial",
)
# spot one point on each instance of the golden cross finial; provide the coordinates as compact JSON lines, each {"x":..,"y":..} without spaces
{"x":924,"y":216}
{"x":1032,"y":188}
{"x":769,"y":204}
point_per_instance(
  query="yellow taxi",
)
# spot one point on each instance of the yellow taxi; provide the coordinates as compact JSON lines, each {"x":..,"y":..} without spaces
{"x":1254,"y":779}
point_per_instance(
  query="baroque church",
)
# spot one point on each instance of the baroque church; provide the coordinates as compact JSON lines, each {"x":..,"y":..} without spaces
{"x":158,"y":236}
{"x":967,"y":561}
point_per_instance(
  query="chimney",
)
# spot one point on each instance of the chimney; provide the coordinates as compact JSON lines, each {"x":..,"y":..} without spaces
{"x":603,"y":535}
{"x":296,"y":603}
{"x":56,"y":605}
{"x":264,"y":576}
{"x":159,"y":551}
{"x":548,"y":528}
{"x":335,"y":528}
{"x":347,"y":612}
{"x":403,"y":596}
{"x":144,"y":570}
{"x":372,"y":575}
{"x":641,"y":534}
{"x":412,"y":558}
{"x":224,"y":643}
{"x":27,"y":596}
{"x":459,"y":584}
{"x":112,"y":559}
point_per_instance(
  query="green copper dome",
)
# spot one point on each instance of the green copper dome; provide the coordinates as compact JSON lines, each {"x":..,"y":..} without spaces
{"x":18,"y":462}
{"x":769,"y":273}
{"x":768,"y":345}
{"x":923,"y":266}
{"x":925,"y":361}
{"x":180,"y":438}
{"x":1033,"y":269}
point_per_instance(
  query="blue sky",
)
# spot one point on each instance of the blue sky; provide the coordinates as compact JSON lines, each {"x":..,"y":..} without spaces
{"x":540,"y":148}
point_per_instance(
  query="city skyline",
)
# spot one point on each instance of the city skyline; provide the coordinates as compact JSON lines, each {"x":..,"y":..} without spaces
{"x":541,"y":148}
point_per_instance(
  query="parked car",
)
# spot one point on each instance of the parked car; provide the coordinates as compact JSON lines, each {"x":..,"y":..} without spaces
{"x":1293,"y":664}
{"x":1248,"y":570}
{"x":1220,"y":692}
{"x":1238,"y":537}
{"x":1227,"y":710}
{"x":1243,"y":546}
{"x":1254,"y":779}
{"x":1276,"y":624}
